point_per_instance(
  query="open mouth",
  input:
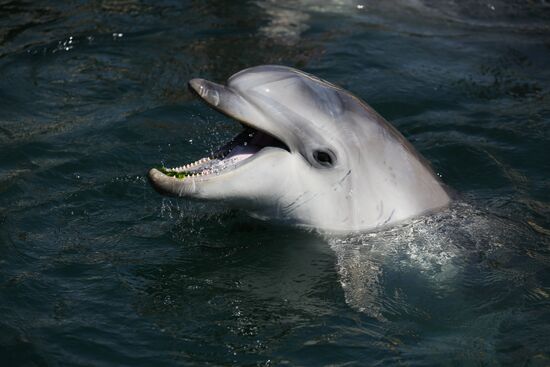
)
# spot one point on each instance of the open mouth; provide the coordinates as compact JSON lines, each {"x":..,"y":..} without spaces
{"x":242,"y":147}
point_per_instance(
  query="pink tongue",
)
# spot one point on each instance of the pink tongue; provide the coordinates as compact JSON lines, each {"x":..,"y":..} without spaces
{"x":241,"y":152}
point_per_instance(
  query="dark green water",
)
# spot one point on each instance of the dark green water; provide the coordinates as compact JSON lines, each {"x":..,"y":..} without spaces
{"x":97,"y":269}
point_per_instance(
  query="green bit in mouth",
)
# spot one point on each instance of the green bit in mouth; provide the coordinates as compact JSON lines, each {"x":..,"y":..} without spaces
{"x":180,"y":175}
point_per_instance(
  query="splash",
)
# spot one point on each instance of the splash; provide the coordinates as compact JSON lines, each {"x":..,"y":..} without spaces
{"x":432,"y":253}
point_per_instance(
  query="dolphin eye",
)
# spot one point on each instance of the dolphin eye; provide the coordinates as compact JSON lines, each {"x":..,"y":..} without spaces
{"x":324,"y":158}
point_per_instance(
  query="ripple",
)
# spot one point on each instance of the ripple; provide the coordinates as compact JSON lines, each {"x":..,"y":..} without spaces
{"x":97,"y":269}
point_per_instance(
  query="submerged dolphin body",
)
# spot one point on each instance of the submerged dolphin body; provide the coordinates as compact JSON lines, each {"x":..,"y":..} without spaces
{"x":311,"y":154}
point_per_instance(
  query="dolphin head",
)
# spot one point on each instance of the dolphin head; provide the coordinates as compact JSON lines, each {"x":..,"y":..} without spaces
{"x":310,"y":154}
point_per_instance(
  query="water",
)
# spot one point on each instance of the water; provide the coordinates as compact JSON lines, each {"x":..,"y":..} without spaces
{"x":98,"y":269}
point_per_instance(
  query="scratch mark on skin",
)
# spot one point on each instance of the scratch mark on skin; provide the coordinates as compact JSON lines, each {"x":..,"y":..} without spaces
{"x":294,"y":202}
{"x":302,"y":203}
{"x":381,"y":210}
{"x":339,"y":183}
{"x":345,"y":177}
{"x":289,"y":206}
{"x":294,"y":206}
{"x":389,"y":218}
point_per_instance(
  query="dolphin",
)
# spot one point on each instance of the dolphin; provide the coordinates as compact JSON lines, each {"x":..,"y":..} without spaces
{"x":310,"y":154}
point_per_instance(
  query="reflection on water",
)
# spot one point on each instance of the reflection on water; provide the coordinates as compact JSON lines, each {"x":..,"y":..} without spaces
{"x":285,"y":25}
{"x":97,"y":269}
{"x":288,"y":20}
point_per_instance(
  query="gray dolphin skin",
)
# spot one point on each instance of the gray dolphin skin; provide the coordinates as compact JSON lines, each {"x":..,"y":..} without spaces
{"x":311,"y":154}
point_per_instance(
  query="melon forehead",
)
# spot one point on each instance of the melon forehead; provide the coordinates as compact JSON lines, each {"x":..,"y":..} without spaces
{"x":289,"y":90}
{"x":259,"y":77}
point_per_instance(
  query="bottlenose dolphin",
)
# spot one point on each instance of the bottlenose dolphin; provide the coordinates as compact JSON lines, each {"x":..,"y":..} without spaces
{"x":311,"y":154}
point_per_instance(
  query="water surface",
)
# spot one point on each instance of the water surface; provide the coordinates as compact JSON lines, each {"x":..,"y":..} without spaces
{"x":98,"y":269}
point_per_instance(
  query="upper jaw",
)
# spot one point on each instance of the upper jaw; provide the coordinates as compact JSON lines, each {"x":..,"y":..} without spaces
{"x":233,"y":104}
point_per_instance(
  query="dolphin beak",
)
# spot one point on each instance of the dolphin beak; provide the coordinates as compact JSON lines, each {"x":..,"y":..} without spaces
{"x":222,"y":98}
{"x":208,"y":91}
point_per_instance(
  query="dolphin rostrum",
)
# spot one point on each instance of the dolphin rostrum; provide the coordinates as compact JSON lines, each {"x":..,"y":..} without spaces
{"x":311,"y":154}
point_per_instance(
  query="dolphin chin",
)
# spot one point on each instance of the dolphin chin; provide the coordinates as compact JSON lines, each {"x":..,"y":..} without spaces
{"x":310,"y":154}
